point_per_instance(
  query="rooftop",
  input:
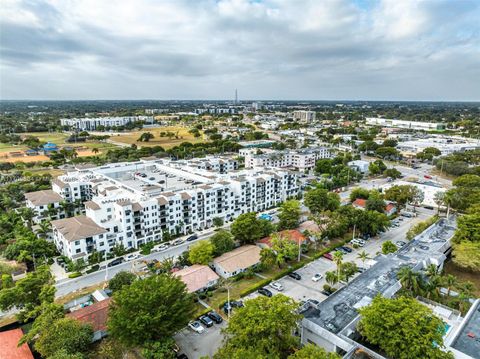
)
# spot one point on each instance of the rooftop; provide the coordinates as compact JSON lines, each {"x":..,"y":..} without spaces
{"x":42,"y":198}
{"x":79,"y":227}
{"x":240,"y":258}
{"x":9,"y":349}
{"x":95,"y":314}
{"x":468,"y":338}
{"x":196,"y":277}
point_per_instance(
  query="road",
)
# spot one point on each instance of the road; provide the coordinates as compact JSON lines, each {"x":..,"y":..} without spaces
{"x":67,"y":286}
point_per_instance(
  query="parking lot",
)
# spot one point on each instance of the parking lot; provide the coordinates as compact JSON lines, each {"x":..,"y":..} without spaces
{"x":196,"y":345}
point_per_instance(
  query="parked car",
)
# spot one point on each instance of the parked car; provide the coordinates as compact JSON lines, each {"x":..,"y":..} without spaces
{"x":313,"y":302}
{"x":361,"y":269}
{"x":215,"y":317}
{"x":116,"y":262}
{"x":265,"y":292}
{"x":277,"y":286}
{"x":177,"y":242}
{"x":316,"y":277}
{"x":400,"y":244}
{"x":132,"y":257}
{"x":324,"y":292}
{"x":192,"y":238}
{"x":341,"y":250}
{"x":359,"y":242}
{"x":196,"y":327}
{"x":182,"y":356}
{"x":347,"y":249}
{"x":205,"y":320}
{"x":160,"y":248}
{"x":428,"y":177}
{"x":295,"y":275}
{"x":329,"y":256}
{"x":233,"y":304}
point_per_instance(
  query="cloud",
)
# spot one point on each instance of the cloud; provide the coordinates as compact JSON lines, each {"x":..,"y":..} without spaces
{"x":277,"y":49}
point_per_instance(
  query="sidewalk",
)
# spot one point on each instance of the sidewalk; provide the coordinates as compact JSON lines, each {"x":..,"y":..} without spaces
{"x":58,"y":272}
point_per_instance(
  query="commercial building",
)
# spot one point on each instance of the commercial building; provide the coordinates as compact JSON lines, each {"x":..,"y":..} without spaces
{"x":135,"y":203}
{"x":304,"y":116}
{"x":410,"y":125}
{"x":446,"y":145}
{"x":90,"y":124}
{"x":302,"y":160}
{"x":359,"y":166}
{"x":332,"y":323}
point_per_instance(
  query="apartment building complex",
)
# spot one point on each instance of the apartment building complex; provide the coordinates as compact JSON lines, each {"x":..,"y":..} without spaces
{"x":136,"y":203}
{"x":90,"y":124}
{"x":411,"y":125}
{"x":302,"y":160}
{"x":304,"y":116}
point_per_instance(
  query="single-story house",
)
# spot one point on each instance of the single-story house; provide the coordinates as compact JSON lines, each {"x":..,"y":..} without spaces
{"x":8,"y":345}
{"x":197,"y":277}
{"x":96,"y":315}
{"x":237,"y":261}
{"x":292,"y":234}
{"x":359,"y":203}
{"x":390,"y":209}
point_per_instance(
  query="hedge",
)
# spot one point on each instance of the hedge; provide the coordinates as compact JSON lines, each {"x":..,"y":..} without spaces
{"x":75,"y":275}
{"x":420,"y":227}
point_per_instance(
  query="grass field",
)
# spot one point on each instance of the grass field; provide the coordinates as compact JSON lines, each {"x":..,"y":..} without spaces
{"x":165,"y":142}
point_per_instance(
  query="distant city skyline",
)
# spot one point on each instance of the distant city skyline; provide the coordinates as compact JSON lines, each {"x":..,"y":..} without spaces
{"x":333,"y":50}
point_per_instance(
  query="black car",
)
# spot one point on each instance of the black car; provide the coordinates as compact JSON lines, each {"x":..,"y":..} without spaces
{"x":116,"y":262}
{"x":233,"y":304}
{"x":295,"y":275}
{"x":182,"y":356}
{"x":347,"y":249}
{"x":341,"y":250}
{"x":326,"y":293}
{"x":215,"y":317}
{"x":205,"y":319}
{"x":192,"y":238}
{"x":265,"y":292}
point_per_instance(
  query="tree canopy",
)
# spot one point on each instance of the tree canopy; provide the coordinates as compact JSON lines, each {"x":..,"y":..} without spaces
{"x":222,"y":242}
{"x":247,"y":228}
{"x":320,"y":199}
{"x":120,"y":280}
{"x":289,"y":215}
{"x":201,"y":252}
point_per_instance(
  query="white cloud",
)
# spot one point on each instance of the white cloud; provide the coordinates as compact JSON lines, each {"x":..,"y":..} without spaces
{"x":268,"y":49}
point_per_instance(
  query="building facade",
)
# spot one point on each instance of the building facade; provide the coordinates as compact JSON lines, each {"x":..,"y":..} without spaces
{"x":90,"y":124}
{"x":304,"y":116}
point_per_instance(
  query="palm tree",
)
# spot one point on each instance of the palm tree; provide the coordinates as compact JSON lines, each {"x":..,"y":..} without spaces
{"x":432,"y":288}
{"x":363,"y":256}
{"x":331,"y":278}
{"x":338,"y":258}
{"x":44,"y":228}
{"x":431,"y":271}
{"x":27,"y":215}
{"x":409,"y":279}
{"x":450,"y":281}
{"x":95,"y":150}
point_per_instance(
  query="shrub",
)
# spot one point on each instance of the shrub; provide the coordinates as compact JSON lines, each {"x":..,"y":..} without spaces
{"x":75,"y":275}
{"x":420,"y":227}
{"x":94,"y":268}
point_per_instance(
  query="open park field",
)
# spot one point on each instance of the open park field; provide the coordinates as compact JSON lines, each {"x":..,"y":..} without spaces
{"x":180,"y":132}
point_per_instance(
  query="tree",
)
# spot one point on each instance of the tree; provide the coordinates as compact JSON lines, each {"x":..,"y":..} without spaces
{"x":363,"y":256}
{"x":46,"y":314}
{"x":264,"y":325}
{"x":247,"y":228}
{"x":392,"y":173}
{"x":348,"y":270}
{"x":466,"y":255}
{"x":338,"y":259}
{"x":289,"y":215}
{"x":450,"y":282}
{"x":217,"y":222}
{"x":409,"y":279}
{"x":439,"y":199}
{"x":359,"y":192}
{"x":222,"y":242}
{"x":376,"y":167}
{"x":162,"y":349}
{"x":267,"y":258}
{"x":283,"y":248}
{"x":331,"y":277}
{"x":388,"y":247}
{"x":312,"y":351}
{"x":387,"y":153}
{"x":145,"y":137}
{"x":417,"y":197}
{"x":404,"y":328}
{"x":375,"y":202}
{"x":120,"y":280}
{"x":401,"y":194}
{"x":201,"y":252}
{"x":319,"y":199}
{"x":64,"y":334}
{"x":149,"y":310}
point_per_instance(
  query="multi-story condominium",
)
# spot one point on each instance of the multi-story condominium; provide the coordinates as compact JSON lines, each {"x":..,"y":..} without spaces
{"x":411,"y":125}
{"x":45,"y":204}
{"x":220,"y":164}
{"x":302,"y":160}
{"x":89,"y":124}
{"x":136,"y":203}
{"x":304,"y":116}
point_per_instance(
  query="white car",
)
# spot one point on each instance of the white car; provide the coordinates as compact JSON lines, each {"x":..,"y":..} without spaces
{"x":196,"y":327}
{"x":160,"y":248}
{"x":177,"y":242}
{"x":132,"y":257}
{"x":277,"y":286}
{"x":316,"y":277}
{"x":358,"y":242}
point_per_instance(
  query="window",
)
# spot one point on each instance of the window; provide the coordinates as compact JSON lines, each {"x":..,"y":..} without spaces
{"x":77,"y":243}
{"x":77,"y":250}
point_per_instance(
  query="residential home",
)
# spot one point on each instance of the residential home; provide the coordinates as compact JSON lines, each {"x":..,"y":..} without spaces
{"x":197,"y":277}
{"x":96,"y":315}
{"x":9,"y":348}
{"x":293,"y":235}
{"x":359,"y":203}
{"x":237,"y":261}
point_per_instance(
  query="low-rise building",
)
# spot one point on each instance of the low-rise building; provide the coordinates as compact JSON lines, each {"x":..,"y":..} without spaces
{"x":96,"y":315}
{"x":410,"y":125}
{"x":293,"y":235}
{"x":198,"y":277}
{"x":91,"y":124}
{"x":237,"y":261}
{"x":9,"y":348}
{"x":359,"y":166}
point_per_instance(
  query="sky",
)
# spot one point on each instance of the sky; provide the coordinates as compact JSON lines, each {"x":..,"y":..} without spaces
{"x":268,"y":49}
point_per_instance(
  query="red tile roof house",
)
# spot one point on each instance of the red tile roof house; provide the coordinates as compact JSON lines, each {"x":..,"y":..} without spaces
{"x":292,"y":234}
{"x":8,"y":345}
{"x":360,"y":203}
{"x":96,"y":315}
{"x":197,"y":277}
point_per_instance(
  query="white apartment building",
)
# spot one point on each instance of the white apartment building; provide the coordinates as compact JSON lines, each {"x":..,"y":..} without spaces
{"x":303,"y":160}
{"x":411,"y":125}
{"x":89,"y":124}
{"x":220,"y":164}
{"x":304,"y":116}
{"x":135,"y":203}
{"x":41,"y":202}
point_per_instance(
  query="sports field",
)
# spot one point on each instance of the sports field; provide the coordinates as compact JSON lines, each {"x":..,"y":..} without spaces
{"x":165,"y":142}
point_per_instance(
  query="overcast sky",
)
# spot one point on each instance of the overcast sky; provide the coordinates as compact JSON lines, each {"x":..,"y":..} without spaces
{"x":299,"y":49}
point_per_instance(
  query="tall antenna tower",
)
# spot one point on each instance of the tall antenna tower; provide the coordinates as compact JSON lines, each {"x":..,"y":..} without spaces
{"x":236,"y":97}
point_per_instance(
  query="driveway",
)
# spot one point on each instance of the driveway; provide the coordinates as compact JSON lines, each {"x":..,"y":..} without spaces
{"x":196,"y":345}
